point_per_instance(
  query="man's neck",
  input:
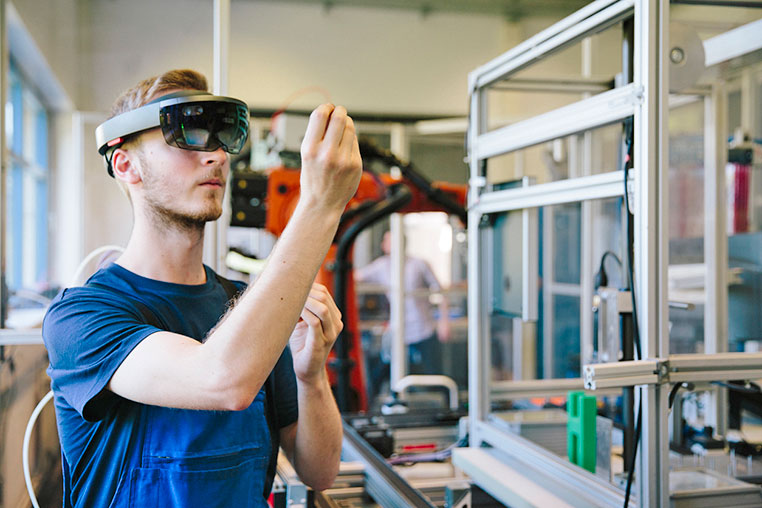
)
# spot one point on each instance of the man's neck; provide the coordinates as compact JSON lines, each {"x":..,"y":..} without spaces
{"x":167,"y":254}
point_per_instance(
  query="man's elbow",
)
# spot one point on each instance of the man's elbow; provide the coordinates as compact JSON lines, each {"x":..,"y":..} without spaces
{"x":232,"y":394}
{"x":325,"y":479}
{"x":238,"y":401}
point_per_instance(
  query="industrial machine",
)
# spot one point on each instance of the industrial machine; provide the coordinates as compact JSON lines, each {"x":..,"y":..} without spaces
{"x":267,"y":200}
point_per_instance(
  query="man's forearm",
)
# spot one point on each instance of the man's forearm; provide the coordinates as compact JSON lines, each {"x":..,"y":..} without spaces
{"x":252,"y":336}
{"x":317,"y":449}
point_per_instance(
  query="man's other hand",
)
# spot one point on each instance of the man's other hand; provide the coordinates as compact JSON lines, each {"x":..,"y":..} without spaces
{"x":315,"y":334}
{"x":331,"y":163}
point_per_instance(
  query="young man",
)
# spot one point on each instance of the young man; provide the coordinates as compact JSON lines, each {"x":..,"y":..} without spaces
{"x":161,"y":396}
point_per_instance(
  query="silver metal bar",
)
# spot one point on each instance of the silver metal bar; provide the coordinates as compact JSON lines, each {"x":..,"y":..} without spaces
{"x":719,"y":361}
{"x":733,"y":43}
{"x":563,"y":288}
{"x":215,"y":232}
{"x":534,"y":388}
{"x":221,"y":46}
{"x":716,"y":375}
{"x":597,"y":371}
{"x":566,"y":478}
{"x":590,"y":19}
{"x":514,"y":486}
{"x":478,"y":351}
{"x":3,"y":162}
{"x":571,"y":85}
{"x":21,"y":337}
{"x":398,"y":364}
{"x":675,"y":369}
{"x":399,"y":359}
{"x":533,"y":41}
{"x":716,"y":242}
{"x":651,"y":24}
{"x":382,"y":482}
{"x":605,"y":185}
{"x":530,"y":264}
{"x":296,"y":490}
{"x":621,"y":374}
{"x":597,"y":111}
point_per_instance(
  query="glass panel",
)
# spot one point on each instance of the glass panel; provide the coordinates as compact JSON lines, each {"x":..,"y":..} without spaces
{"x":566,"y":234}
{"x":559,"y":79}
{"x":686,"y":226}
{"x":590,"y":153}
{"x":440,"y":158}
{"x":551,"y":343}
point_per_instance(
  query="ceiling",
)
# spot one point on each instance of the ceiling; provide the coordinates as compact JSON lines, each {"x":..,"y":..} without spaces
{"x":512,"y":10}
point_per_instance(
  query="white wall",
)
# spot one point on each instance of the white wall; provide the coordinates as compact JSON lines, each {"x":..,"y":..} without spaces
{"x":367,"y":59}
{"x":370,"y":60}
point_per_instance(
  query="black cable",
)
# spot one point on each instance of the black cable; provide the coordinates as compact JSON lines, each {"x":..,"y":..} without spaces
{"x":674,"y":390}
{"x":631,"y":244}
{"x":628,"y":128}
{"x":631,"y":472}
{"x":750,"y":387}
{"x":601,"y":278}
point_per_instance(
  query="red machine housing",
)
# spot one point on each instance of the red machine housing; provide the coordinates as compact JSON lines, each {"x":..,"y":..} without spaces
{"x":281,"y":200}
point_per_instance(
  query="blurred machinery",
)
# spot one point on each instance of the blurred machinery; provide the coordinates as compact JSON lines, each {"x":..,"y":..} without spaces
{"x":267,"y":200}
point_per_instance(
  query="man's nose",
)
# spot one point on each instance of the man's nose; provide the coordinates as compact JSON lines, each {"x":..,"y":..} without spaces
{"x":218,"y":156}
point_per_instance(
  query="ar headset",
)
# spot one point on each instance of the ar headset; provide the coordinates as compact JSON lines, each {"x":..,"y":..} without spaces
{"x":189,"y":119}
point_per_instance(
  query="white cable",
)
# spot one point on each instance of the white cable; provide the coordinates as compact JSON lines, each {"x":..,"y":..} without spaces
{"x":25,"y":449}
{"x":83,"y":265}
{"x":40,"y":405}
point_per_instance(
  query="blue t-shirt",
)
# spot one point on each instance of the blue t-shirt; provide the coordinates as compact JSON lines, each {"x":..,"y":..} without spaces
{"x":119,"y":453}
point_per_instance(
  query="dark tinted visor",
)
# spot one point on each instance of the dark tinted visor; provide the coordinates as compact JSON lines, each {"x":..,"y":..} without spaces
{"x":205,"y":125}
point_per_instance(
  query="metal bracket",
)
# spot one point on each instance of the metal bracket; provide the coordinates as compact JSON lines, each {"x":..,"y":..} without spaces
{"x":674,"y":369}
{"x":620,"y":374}
{"x":296,"y":490}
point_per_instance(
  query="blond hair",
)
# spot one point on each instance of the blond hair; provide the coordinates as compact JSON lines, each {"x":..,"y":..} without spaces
{"x":147,"y":90}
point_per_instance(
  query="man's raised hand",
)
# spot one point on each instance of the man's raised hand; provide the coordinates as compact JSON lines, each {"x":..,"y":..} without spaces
{"x":331,"y":163}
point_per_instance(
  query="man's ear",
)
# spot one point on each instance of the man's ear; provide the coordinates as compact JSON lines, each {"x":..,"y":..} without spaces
{"x":124,"y":167}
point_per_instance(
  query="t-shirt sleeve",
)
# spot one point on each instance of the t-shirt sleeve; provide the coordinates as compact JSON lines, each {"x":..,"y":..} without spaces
{"x":285,"y":386}
{"x":88,"y":333}
{"x":377,"y":272}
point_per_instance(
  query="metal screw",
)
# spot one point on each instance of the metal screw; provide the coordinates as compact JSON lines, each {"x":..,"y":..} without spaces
{"x":677,"y":55}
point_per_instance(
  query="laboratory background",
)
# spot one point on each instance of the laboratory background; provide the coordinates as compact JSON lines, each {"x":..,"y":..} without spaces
{"x":550,"y":276}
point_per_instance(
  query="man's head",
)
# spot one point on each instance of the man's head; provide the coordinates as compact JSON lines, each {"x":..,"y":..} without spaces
{"x":386,"y":242}
{"x":167,"y":142}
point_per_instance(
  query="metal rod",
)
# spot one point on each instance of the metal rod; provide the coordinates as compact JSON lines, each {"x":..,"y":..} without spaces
{"x":215,"y":232}
{"x":606,"y":185}
{"x":597,"y":16}
{"x":382,"y":482}
{"x":3,"y":162}
{"x":596,"y":111}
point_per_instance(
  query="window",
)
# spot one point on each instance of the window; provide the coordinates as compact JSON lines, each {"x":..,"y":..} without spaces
{"x":26,"y":204}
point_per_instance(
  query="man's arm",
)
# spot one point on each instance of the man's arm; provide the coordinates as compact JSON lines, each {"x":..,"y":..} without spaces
{"x":313,"y":443}
{"x":229,"y":368}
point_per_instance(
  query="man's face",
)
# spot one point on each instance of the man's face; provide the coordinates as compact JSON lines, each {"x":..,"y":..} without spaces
{"x":386,"y":243}
{"x":180,"y":187}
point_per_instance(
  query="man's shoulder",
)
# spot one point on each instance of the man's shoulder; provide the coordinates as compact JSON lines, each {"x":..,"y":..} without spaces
{"x":100,"y":293}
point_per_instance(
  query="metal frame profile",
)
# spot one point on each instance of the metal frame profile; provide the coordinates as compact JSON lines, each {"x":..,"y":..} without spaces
{"x":642,"y":100}
{"x":645,"y":100}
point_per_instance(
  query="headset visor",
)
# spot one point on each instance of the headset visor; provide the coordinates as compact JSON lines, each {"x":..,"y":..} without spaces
{"x":205,"y":125}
